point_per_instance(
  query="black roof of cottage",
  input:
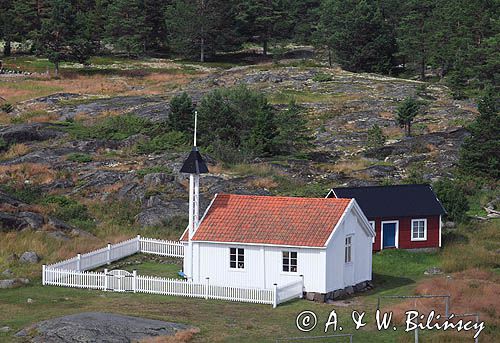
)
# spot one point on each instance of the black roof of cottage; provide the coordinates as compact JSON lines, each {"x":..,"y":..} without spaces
{"x":194,"y":163}
{"x":393,"y":201}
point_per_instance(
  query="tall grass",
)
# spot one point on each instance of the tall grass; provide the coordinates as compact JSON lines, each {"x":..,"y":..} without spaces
{"x":475,"y":246}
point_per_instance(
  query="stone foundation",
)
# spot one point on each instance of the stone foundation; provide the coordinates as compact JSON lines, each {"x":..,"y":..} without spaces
{"x":339,"y":293}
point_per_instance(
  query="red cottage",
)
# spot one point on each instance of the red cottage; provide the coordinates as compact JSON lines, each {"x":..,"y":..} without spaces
{"x":403,"y":216}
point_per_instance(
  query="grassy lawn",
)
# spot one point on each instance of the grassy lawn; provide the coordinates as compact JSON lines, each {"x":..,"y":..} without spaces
{"x":395,"y":272}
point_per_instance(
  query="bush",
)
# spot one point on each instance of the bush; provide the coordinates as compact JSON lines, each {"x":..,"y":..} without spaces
{"x":376,"y":138}
{"x":7,"y":107}
{"x":79,"y":157}
{"x":173,"y":140}
{"x":117,"y":128}
{"x":181,"y":116}
{"x":322,"y":77}
{"x":453,"y":198}
{"x":239,"y":124}
{"x":69,"y":210}
{"x":3,"y":144}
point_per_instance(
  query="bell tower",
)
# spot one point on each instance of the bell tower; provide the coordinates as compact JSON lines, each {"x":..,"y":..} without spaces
{"x":194,"y":165}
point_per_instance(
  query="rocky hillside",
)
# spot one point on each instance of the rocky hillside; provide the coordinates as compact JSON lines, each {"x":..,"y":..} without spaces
{"x":41,"y":153}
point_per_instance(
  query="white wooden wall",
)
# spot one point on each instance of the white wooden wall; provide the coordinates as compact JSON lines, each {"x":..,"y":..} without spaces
{"x":337,"y":272}
{"x":263,"y":266}
{"x":324,"y":269}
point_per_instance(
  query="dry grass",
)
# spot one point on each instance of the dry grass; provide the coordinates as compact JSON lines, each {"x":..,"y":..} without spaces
{"x":393,"y":132}
{"x":481,"y":245}
{"x":21,"y":89}
{"x":263,"y":182}
{"x":15,"y":150}
{"x":27,"y":173}
{"x":49,"y":249}
{"x":183,"y":336}
{"x":472,"y":291}
{"x":257,"y":169}
{"x":345,"y":166}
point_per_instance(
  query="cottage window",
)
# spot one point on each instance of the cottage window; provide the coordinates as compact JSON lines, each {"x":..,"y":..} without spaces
{"x":289,"y":261}
{"x":348,"y":249}
{"x":419,"y":229}
{"x":237,"y":258}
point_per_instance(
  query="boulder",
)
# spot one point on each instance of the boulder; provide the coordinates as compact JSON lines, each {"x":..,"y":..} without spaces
{"x":29,"y":257}
{"x":339,"y":293}
{"x":319,"y":297}
{"x":349,"y":290}
{"x":7,"y":273}
{"x":157,"y":179}
{"x":98,"y":327}
{"x":360,"y":287}
{"x":310,"y":296}
{"x":12,"y":283}
{"x":34,"y":220}
{"x":433,"y":271}
{"x":28,"y":132}
{"x":5,"y":329}
{"x":10,"y":222}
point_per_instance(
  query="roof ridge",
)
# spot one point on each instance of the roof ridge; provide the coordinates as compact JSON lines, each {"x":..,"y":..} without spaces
{"x":386,"y":186}
{"x":281,"y":197}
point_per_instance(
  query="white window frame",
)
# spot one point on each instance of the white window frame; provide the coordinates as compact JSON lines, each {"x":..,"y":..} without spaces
{"x":237,"y":268}
{"x":425,"y":229}
{"x":373,"y":223}
{"x":290,"y":261}
{"x":348,"y":247}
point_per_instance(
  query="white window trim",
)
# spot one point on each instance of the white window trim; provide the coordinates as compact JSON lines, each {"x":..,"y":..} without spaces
{"x":425,"y":229}
{"x":289,"y":273}
{"x":374,"y":230}
{"x":352,"y":249}
{"x":382,"y":232}
{"x":244,"y":260}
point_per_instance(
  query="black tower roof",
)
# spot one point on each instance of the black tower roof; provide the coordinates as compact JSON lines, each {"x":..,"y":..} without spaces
{"x":194,"y":164}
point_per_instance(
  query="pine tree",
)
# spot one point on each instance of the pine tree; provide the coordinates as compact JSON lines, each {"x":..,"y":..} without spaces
{"x":376,"y":138}
{"x":6,"y":17}
{"x":357,"y":34}
{"x":264,"y":20}
{"x":125,"y":27}
{"x":480,"y":152}
{"x":407,"y":111}
{"x":415,"y":32}
{"x":293,"y":133}
{"x":64,"y":34}
{"x":200,"y":27}
{"x":181,"y":113}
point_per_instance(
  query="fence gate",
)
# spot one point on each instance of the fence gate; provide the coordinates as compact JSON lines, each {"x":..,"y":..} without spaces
{"x":119,"y":280}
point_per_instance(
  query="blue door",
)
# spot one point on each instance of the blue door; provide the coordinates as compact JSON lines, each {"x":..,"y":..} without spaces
{"x":389,"y":234}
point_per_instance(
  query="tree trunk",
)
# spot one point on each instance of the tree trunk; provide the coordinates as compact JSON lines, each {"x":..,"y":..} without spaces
{"x":422,"y":69}
{"x":264,"y":47}
{"x":7,"y":49}
{"x":202,"y":50}
{"x":56,"y":69}
{"x":329,"y":57}
{"x":408,"y":126}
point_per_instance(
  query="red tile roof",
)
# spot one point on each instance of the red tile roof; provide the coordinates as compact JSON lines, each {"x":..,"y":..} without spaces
{"x":270,"y":220}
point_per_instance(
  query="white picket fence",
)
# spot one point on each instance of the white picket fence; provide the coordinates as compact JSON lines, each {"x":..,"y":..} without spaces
{"x":74,"y":272}
{"x":114,"y":252}
{"x":161,"y":247}
{"x":123,"y":281}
